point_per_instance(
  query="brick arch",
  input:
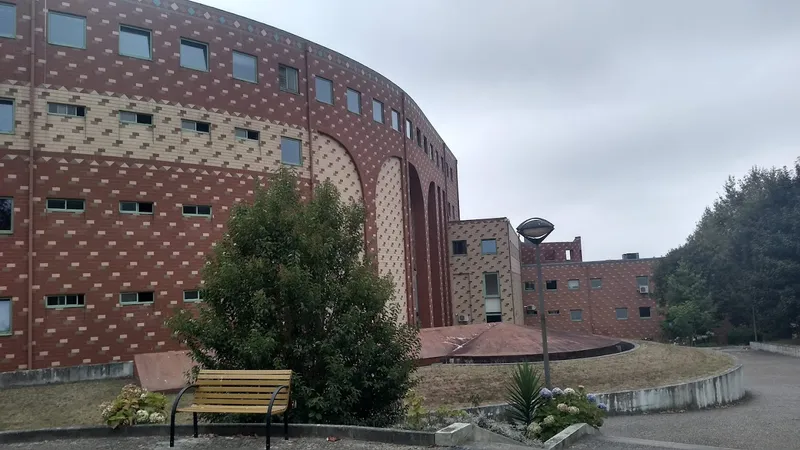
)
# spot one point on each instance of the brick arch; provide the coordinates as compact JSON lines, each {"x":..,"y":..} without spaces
{"x":419,"y":251}
{"x":390,"y":230}
{"x":333,"y":161}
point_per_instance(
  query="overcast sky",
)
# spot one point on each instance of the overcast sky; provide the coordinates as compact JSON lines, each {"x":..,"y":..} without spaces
{"x":618,"y":121}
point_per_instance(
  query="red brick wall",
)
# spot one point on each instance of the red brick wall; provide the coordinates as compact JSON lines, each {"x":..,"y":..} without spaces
{"x":553,"y":252}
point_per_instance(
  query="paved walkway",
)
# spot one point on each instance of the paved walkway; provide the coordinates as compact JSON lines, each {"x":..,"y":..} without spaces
{"x":204,"y":443}
{"x":768,"y":419}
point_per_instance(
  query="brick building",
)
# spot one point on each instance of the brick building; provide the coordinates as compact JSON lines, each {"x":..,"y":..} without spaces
{"x":128,"y":129}
{"x":494,"y":278}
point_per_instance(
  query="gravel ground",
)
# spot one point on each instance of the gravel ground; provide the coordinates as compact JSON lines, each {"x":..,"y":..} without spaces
{"x":769,"y":419}
{"x":204,"y":443}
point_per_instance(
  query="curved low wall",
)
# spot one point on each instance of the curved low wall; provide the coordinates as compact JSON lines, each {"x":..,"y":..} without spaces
{"x":717,"y":390}
{"x":789,"y":350}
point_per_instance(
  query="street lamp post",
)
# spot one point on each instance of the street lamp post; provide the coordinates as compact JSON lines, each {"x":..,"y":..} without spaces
{"x":535,"y":231}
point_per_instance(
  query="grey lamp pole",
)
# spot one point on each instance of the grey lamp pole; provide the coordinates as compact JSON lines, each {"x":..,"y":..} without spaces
{"x":535,"y":231}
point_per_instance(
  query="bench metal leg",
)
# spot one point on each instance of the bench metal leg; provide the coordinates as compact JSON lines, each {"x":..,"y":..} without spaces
{"x":286,"y":426}
{"x":269,"y":427}
{"x":194,"y":422}
{"x":172,"y":430}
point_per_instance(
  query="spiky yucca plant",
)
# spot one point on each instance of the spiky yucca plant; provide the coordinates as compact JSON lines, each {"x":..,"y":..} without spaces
{"x":522,"y":393}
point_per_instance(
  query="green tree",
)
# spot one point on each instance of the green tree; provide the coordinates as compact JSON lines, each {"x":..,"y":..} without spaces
{"x":288,"y":287}
{"x":689,"y":311}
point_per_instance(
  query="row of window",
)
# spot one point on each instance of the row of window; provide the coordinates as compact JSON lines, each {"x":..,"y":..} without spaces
{"x":79,"y":206}
{"x":575,"y":284}
{"x":69,"y":30}
{"x":488,"y":247}
{"x":576,"y":315}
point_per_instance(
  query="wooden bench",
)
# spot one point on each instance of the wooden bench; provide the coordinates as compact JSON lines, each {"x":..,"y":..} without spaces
{"x":238,"y":392}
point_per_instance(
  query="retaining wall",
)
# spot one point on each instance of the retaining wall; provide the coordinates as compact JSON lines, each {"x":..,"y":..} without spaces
{"x":789,"y":350}
{"x":70,"y":374}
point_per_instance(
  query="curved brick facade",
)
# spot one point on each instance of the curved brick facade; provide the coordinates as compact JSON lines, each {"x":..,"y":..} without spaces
{"x":101,"y":252}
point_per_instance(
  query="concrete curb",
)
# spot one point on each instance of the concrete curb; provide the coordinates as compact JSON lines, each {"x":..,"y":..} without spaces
{"x":569,"y":436}
{"x":385,"y":435}
{"x":788,"y":350}
{"x":59,"y":375}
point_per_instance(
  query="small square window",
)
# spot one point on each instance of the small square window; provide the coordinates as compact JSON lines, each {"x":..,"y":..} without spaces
{"x":597,"y":283}
{"x":197,"y":210}
{"x":136,"y":207}
{"x":134,"y":42}
{"x":395,"y":120}
{"x":288,"y":79}
{"x":66,"y":205}
{"x":551,"y":285}
{"x":134,"y":117}
{"x":573,"y":285}
{"x":323,"y":89}
{"x":553,"y":312}
{"x":6,"y":116}
{"x":644,"y":312}
{"x":245,"y":134}
{"x":459,"y":247}
{"x":66,"y":30}
{"x":6,"y":215}
{"x":489,"y":246}
{"x":643,"y":281}
{"x":65,"y":301}
{"x":377,"y":111}
{"x":5,"y":317}
{"x":245,"y":67}
{"x":193,"y":125}
{"x":530,"y":286}
{"x":576,"y":315}
{"x":192,"y":296}
{"x":353,"y":101}
{"x":61,"y":109}
{"x":291,"y":151}
{"x":491,"y":285}
{"x":622,"y":313}
{"x":132,"y":298}
{"x":8,"y":20}
{"x":194,"y":55}
{"x":530,"y":310}
{"x":409,"y":128}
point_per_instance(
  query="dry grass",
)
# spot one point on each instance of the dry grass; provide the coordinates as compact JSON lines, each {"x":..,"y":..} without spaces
{"x":649,"y":365}
{"x":63,"y":405}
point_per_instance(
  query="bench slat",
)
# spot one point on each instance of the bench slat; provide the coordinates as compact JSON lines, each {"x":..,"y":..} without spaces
{"x":263,"y":372}
{"x":221,"y":397}
{"x":240,"y":376}
{"x":254,"y":389}
{"x":238,"y":409}
{"x":264,"y":383}
{"x":236,"y":401}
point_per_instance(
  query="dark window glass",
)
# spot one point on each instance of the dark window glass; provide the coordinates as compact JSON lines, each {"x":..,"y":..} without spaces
{"x":66,"y":30}
{"x":323,"y":89}
{"x":494,"y":317}
{"x":644,"y":312}
{"x":643,"y":281}
{"x":6,"y":215}
{"x":288,"y":79}
{"x":491,"y":285}
{"x":419,"y":139}
{"x":530,"y":286}
{"x":597,"y":283}
{"x":622,"y":313}
{"x":551,"y":285}
{"x":291,"y":151}
{"x":75,"y":205}
{"x":576,"y":315}
{"x":203,"y":127}
{"x":459,"y":247}
{"x":251,"y":135}
{"x":54,"y":203}
{"x":245,"y":67}
{"x":145,"y":207}
{"x":204,"y":210}
{"x":128,"y":206}
{"x":194,"y":55}
{"x":146,"y":297}
{"x":134,"y":42}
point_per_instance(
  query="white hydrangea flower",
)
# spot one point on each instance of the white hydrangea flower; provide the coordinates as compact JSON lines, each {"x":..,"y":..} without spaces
{"x":549,"y":420}
{"x":562,"y":407}
{"x":574,"y":410}
{"x":142,"y":416}
{"x":157,"y":418}
{"x":569,"y":391}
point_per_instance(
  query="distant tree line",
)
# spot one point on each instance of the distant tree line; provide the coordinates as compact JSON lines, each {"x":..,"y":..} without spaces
{"x":741,"y":263}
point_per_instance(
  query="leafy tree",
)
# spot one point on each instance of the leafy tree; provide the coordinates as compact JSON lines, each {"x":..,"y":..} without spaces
{"x":288,"y":287}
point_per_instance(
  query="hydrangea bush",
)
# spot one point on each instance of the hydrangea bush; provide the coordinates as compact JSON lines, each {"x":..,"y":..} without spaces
{"x":134,"y":405}
{"x":562,"y":408}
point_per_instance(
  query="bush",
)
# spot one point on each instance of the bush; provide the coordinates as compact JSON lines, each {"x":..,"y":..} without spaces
{"x":288,"y":287}
{"x":134,"y":405}
{"x":561,"y":409}
{"x":740,"y":335}
{"x":419,"y":418}
{"x":522,"y":393}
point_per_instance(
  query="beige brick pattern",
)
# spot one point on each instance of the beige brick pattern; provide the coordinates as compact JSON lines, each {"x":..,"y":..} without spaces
{"x":332,"y":162}
{"x":21,"y":136}
{"x":391,"y":240}
{"x":100,"y":132}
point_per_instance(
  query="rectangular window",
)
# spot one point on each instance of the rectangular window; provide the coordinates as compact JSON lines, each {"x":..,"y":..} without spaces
{"x":409,"y":127}
{"x":67,"y":205}
{"x":197,"y":210}
{"x":323,"y":88}
{"x":5,"y":316}
{"x":395,"y":120}
{"x":489,"y":246}
{"x":576,"y":315}
{"x":530,"y":310}
{"x":61,"y":109}
{"x":245,"y":67}
{"x":8,"y":20}
{"x":644,"y":312}
{"x":194,"y":55}
{"x":643,"y":281}
{"x":193,"y":125}
{"x":134,"y":117}
{"x":553,"y":312}
{"x":491,"y":285}
{"x":622,"y":313}
{"x":530,"y":286}
{"x":568,"y":255}
{"x":551,"y":285}
{"x":573,"y":285}
{"x":193,"y":296}
{"x":291,"y":151}
{"x":288,"y":79}
{"x":66,"y":30}
{"x":6,"y":215}
{"x":377,"y":111}
{"x":419,"y":140}
{"x":134,"y":42}
{"x":136,"y":207}
{"x":596,"y":283}
{"x":459,"y":247}
{"x":245,"y":134}
{"x":425,"y":145}
{"x":353,"y":101}
{"x":133,"y":298}
{"x":6,"y":116}
{"x":65,"y":301}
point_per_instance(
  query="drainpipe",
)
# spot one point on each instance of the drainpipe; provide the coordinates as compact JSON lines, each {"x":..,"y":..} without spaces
{"x":408,"y":229}
{"x":308,"y":121}
{"x":31,"y":163}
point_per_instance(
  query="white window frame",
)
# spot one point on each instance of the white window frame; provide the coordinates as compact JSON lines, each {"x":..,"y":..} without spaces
{"x":66,"y":207}
{"x":194,"y":124}
{"x":80,"y":301}
{"x":138,"y":205}
{"x":135,"y":117}
{"x":66,"y":110}
{"x":196,"y":213}
{"x":140,"y":31}
{"x":193,"y":300}
{"x":246,"y":132}
{"x":137,"y":294}
{"x":195,"y":44}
